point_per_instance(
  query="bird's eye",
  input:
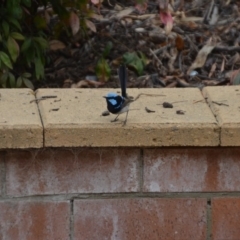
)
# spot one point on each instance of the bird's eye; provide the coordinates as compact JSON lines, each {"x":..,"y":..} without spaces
{"x":112,"y":101}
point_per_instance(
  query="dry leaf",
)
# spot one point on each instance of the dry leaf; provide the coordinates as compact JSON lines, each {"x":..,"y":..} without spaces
{"x":167,"y":19}
{"x":214,"y":17}
{"x":91,"y":25}
{"x":87,"y":83}
{"x":58,"y":61}
{"x":163,"y":5}
{"x":223,"y":65}
{"x":201,"y":58}
{"x":74,"y":22}
{"x":165,"y":15}
{"x":123,"y":13}
{"x":67,"y":83}
{"x":172,"y":58}
{"x":56,"y":45}
{"x":144,"y":16}
{"x":192,"y":19}
{"x":213,"y":68}
{"x":234,"y":59}
{"x":141,"y":7}
{"x":179,"y":43}
{"x":96,"y":16}
{"x":96,"y":2}
{"x":47,"y":16}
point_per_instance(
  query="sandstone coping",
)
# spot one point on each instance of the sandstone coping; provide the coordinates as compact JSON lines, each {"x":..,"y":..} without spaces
{"x":225,"y":104}
{"x":20,"y":123}
{"x":73,"y":119}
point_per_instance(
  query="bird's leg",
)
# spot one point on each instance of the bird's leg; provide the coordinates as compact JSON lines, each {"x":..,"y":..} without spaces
{"x":115,"y":119}
{"x":125,"y":121}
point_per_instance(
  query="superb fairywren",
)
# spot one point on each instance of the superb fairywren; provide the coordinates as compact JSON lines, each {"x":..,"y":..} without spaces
{"x":117,"y":104}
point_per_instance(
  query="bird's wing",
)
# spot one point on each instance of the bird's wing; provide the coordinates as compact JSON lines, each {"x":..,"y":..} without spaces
{"x":122,"y":73}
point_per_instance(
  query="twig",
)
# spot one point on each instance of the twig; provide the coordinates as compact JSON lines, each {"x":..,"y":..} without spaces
{"x":220,"y":104}
{"x":172,"y":102}
{"x":148,"y":110}
{"x":199,"y":100}
{"x":146,"y":94}
{"x":155,"y":56}
{"x":180,"y":101}
{"x":227,"y":49}
{"x":43,"y":98}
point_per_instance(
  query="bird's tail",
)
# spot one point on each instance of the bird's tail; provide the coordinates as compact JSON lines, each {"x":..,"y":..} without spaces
{"x":122,"y":73}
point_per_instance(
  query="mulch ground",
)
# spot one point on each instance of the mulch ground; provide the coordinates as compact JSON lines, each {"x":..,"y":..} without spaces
{"x":200,"y":47}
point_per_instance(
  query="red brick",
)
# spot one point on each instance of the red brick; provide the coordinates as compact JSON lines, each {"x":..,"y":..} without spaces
{"x":226,"y":219}
{"x":159,"y":219}
{"x":72,"y":171}
{"x":192,"y":170}
{"x":34,"y":220}
{"x":1,"y":172}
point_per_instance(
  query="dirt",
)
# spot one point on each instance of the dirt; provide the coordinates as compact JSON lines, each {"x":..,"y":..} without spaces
{"x":181,"y":44}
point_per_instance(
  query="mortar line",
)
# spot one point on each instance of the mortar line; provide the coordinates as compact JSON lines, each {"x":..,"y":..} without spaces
{"x":3,"y":174}
{"x":215,"y":116}
{"x":71,"y":226}
{"x":209,"y":219}
{"x":67,"y":197}
{"x":141,"y":170}
{"x":40,"y":115}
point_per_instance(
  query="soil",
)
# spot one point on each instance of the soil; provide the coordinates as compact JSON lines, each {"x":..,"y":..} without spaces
{"x":182,"y":44}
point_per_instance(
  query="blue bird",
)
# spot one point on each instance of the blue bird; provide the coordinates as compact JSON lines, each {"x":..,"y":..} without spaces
{"x":117,"y":104}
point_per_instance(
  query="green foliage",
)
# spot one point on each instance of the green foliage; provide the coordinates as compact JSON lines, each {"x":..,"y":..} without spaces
{"x":24,"y":27}
{"x":136,"y":60}
{"x":103,"y":69}
{"x":23,"y":45}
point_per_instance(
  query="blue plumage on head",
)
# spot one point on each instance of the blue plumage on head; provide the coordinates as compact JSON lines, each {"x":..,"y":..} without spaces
{"x":111,"y":94}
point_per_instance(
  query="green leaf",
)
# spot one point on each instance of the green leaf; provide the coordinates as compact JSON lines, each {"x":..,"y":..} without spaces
{"x":15,"y":23}
{"x":135,"y":60}
{"x":13,"y":48}
{"x":26,"y":75}
{"x":107,"y":49}
{"x":27,"y":3}
{"x":129,"y":57}
{"x":17,"y":11}
{"x":143,"y":58}
{"x":4,"y":78}
{"x":28,"y":83}
{"x":19,"y":82}
{"x":41,"y":41}
{"x":5,"y":59}
{"x":29,"y":56}
{"x":12,"y":80}
{"x":103,"y":70}
{"x":17,"y":36}
{"x":39,"y":68}
{"x":40,"y":22}
{"x":5,"y":27}
{"x":26,"y":44}
{"x":137,"y":66}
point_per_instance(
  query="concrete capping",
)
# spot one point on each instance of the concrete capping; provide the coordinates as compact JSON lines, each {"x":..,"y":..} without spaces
{"x":72,"y":118}
{"x":20,"y":123}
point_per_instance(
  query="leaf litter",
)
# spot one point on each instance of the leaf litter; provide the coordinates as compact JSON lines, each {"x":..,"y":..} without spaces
{"x":165,"y":44}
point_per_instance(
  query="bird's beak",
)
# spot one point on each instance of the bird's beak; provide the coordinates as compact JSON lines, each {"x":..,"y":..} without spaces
{"x":104,"y":97}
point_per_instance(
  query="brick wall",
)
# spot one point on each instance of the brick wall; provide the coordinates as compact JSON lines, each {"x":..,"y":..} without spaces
{"x":120,"y":193}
